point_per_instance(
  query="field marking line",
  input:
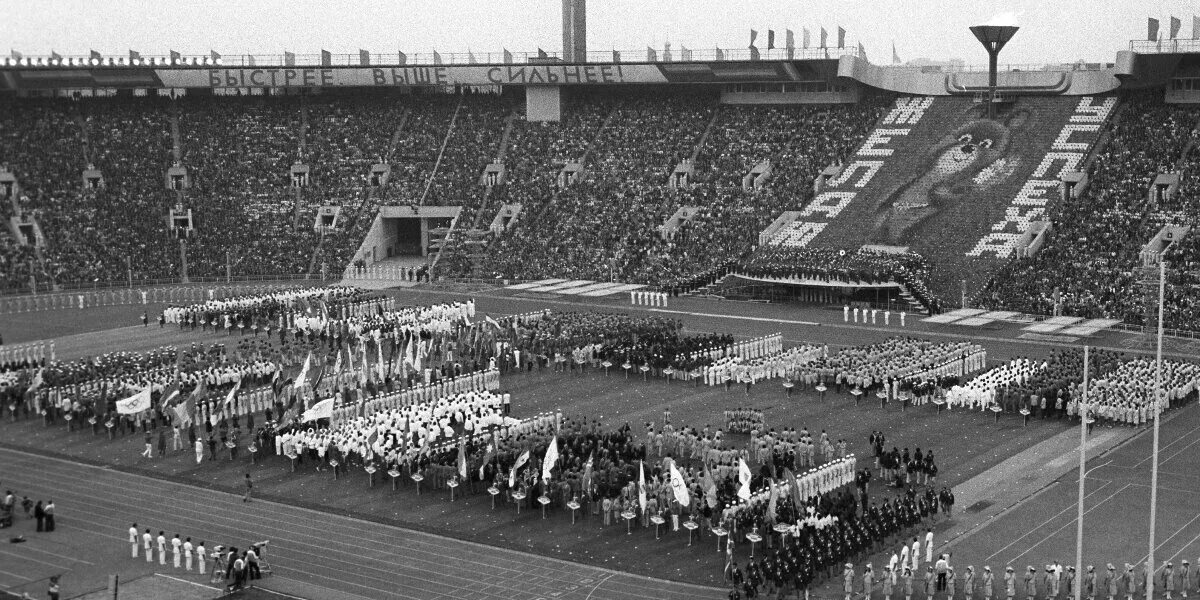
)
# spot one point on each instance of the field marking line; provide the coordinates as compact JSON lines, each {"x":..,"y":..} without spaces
{"x":1047,"y":521}
{"x":1181,"y":550}
{"x":1185,"y":436}
{"x":1068,"y":524}
{"x":1168,"y":538}
{"x":209,"y":587}
{"x":598,"y":584}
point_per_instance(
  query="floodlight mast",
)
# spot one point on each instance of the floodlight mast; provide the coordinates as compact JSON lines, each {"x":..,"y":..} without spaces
{"x":993,"y":38}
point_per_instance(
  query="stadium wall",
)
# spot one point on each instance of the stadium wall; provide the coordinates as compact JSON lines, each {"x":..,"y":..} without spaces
{"x":917,"y":81}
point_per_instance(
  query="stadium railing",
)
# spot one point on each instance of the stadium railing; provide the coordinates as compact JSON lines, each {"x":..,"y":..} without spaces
{"x":142,"y":283}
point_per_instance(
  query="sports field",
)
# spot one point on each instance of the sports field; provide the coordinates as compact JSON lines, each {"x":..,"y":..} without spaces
{"x":968,"y":446}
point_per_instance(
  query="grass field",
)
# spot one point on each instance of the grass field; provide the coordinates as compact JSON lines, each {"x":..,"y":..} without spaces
{"x":966,"y":445}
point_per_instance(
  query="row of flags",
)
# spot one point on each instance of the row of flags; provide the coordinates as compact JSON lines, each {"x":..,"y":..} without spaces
{"x":289,"y":58}
{"x":1152,"y":26}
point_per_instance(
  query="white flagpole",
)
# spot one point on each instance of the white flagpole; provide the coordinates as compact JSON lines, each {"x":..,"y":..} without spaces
{"x":1162,"y":287}
{"x":1083,"y":412}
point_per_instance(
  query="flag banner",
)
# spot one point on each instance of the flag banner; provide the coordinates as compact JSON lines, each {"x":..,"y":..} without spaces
{"x":1175,"y":25}
{"x":232,"y":392}
{"x":168,"y":395}
{"x":402,"y":58}
{"x":550,"y":459}
{"x":709,"y":484}
{"x":1196,"y":28}
{"x":795,"y":485}
{"x":720,"y":54}
{"x":642,"y":484}
{"x":135,"y":403}
{"x":753,"y":36}
{"x":773,"y":502}
{"x":824,"y":38}
{"x":789,"y":39}
{"x":895,"y":56}
{"x":364,"y":58}
{"x":512,"y":475}
{"x":437,"y":58}
{"x":96,"y":55}
{"x":320,"y":410}
{"x":379,"y":363}
{"x":770,"y":39}
{"x":507,"y":57}
{"x":462,"y":458}
{"x":303,"y":374}
{"x":214,"y":55}
{"x":1152,"y":29}
{"x":37,"y":381}
{"x":587,"y":474}
{"x":181,"y":413}
{"x":616,"y":56}
{"x":326,"y":59}
{"x":487,"y":457}
{"x":651,"y":55}
{"x":841,"y":37}
{"x":471,"y":57}
{"x":679,"y":487}
{"x":744,"y":478}
{"x":807,"y":37}
{"x":862,"y":51}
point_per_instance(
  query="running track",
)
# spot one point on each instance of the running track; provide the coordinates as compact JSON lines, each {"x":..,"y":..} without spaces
{"x":366,"y":559}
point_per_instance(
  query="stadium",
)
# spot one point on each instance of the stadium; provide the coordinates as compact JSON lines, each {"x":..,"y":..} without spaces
{"x":779,"y":320}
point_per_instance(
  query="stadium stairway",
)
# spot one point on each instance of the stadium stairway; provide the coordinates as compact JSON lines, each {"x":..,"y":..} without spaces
{"x":951,"y":187}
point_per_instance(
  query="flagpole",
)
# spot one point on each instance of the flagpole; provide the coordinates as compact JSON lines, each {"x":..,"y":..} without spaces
{"x":1083,"y":412}
{"x":1162,"y":286}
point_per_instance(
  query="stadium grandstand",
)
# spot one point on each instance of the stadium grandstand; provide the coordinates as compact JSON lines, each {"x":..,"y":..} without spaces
{"x":728,"y":177}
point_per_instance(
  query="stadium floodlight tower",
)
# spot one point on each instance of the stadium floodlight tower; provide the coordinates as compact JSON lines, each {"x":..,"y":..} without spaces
{"x":993,"y":37}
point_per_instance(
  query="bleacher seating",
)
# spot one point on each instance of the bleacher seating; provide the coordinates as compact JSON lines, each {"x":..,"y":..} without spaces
{"x":1093,"y":255}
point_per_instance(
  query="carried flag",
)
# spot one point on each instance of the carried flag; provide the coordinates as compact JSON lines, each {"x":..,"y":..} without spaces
{"x":679,"y":487}
{"x":135,"y":403}
{"x":320,"y":410}
{"x":233,"y":392}
{"x":642,"y":484}
{"x":551,"y":458}
{"x":772,"y":503}
{"x":168,"y":394}
{"x":709,"y":485}
{"x":303,"y":374}
{"x":512,"y":475}
{"x":744,"y":478}
{"x":487,"y":456}
{"x":462,"y":458}
{"x":587,"y":473}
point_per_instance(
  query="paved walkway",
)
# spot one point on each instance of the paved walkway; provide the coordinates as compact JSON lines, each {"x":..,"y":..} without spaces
{"x":365,"y":559}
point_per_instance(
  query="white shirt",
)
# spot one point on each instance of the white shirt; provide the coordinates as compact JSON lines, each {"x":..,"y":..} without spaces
{"x":133,"y":535}
{"x":175,"y":544}
{"x":162,"y":543}
{"x":200,"y":552}
{"x":187,"y":549}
